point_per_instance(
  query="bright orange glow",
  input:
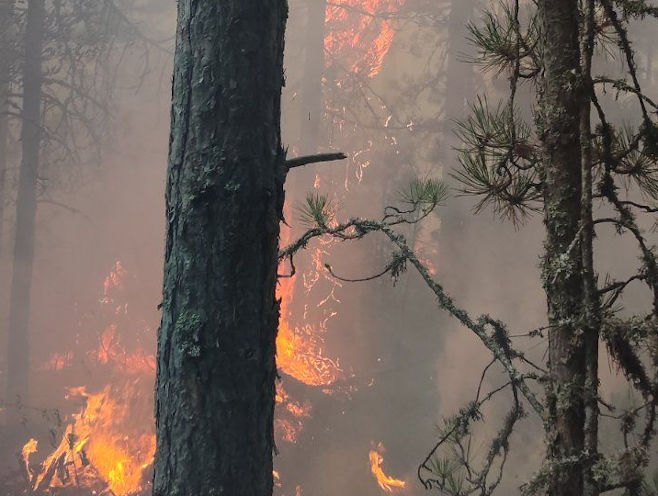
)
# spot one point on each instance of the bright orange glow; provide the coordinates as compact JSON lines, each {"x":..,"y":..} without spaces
{"x":28,"y":450}
{"x":291,"y":415}
{"x":299,"y":349}
{"x":387,"y":483}
{"x":359,"y":33}
{"x":101,"y":444}
{"x":108,"y":446}
{"x":111,"y":351}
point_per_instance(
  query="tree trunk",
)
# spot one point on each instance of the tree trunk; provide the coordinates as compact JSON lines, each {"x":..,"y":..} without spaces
{"x":216,"y":347}
{"x":18,"y":362}
{"x":6,"y":8}
{"x":312,"y":95}
{"x":591,"y":315}
{"x":560,"y":121}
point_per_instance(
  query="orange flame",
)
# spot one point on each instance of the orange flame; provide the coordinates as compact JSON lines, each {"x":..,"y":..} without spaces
{"x":99,"y":445}
{"x":386,"y":483}
{"x":108,"y":446}
{"x":361,"y":34}
{"x":299,"y":349}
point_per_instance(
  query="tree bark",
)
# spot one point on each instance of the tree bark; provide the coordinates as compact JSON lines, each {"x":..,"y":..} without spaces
{"x":18,"y":362}
{"x":6,"y":9}
{"x":591,"y":303}
{"x":216,"y":346}
{"x":559,"y":121}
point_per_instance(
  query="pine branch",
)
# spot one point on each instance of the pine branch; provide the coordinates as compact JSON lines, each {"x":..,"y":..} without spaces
{"x":314,"y":159}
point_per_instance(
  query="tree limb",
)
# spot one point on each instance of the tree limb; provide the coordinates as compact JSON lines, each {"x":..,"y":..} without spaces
{"x":313,"y":159}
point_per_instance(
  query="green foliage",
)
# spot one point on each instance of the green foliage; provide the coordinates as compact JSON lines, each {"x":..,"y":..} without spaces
{"x":498,"y":160}
{"x":424,"y":194}
{"x":450,"y":475}
{"x":316,"y":210}
{"x":500,"y":44}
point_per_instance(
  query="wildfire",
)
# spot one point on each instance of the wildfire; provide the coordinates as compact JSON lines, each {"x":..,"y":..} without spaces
{"x":299,"y":348}
{"x":290,"y":416}
{"x":108,"y":446}
{"x":99,"y":448}
{"x":386,"y":483}
{"x":361,"y":33}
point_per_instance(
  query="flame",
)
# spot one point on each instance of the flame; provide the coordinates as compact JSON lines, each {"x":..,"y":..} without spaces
{"x":111,"y":351}
{"x":108,"y":446}
{"x":299,"y":348}
{"x":360,"y":33}
{"x":290,"y":416}
{"x":31,"y":447}
{"x":99,"y":445}
{"x":386,"y":483}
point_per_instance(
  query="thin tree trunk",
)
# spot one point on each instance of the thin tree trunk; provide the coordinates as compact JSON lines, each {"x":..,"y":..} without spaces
{"x":591,"y":305}
{"x":457,"y":226}
{"x":6,"y":7}
{"x":18,"y":362}
{"x":312,"y":95}
{"x":560,"y":121}
{"x":216,"y":349}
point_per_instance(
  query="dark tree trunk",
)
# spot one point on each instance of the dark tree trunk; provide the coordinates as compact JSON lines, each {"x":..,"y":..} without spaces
{"x":591,"y":314}
{"x":560,"y":120}
{"x":216,"y":349}
{"x":26,"y":206}
{"x":6,"y":7}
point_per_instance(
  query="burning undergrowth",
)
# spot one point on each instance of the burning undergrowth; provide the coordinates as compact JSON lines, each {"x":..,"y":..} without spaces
{"x":106,"y":447}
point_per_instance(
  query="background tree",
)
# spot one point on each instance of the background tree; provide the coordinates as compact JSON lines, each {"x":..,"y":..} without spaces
{"x":582,"y":177}
{"x":62,"y":88}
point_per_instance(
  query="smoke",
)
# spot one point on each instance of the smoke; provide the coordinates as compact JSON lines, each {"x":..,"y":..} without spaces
{"x":405,"y":364}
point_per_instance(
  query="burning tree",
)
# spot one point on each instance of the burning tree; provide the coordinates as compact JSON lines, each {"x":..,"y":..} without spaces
{"x":583,"y":177}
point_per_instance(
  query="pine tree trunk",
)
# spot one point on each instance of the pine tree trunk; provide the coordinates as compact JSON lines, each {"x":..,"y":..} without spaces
{"x":216,"y":349}
{"x":560,"y":121}
{"x":312,"y":95}
{"x":6,"y":7}
{"x":18,"y":362}
{"x":591,"y":302}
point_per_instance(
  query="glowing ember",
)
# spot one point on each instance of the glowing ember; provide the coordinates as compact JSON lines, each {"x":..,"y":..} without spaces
{"x":387,"y":483}
{"x":360,"y":33}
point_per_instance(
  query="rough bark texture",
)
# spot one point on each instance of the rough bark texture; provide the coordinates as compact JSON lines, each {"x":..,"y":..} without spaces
{"x":560,"y":104}
{"x":216,"y":349}
{"x":26,"y":206}
{"x":592,"y":308}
